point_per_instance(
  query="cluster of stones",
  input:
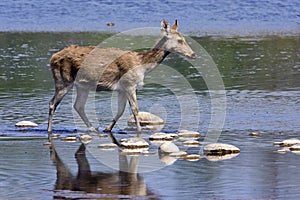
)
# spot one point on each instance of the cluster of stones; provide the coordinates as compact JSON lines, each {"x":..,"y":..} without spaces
{"x":292,"y":145}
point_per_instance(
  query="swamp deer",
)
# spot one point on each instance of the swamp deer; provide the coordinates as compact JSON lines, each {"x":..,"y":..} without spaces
{"x":98,"y":69}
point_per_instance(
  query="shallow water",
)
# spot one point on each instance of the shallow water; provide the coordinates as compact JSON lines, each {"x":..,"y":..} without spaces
{"x":261,"y":78}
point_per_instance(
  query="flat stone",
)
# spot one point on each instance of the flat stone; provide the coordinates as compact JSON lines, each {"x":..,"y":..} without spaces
{"x":69,"y":139}
{"x":288,"y":142}
{"x":145,"y":119}
{"x":295,"y":147}
{"x":192,"y":157}
{"x":107,"y":146}
{"x":160,"y":136}
{"x":134,"y":143}
{"x":26,"y":124}
{"x":188,"y":134}
{"x":191,"y":143}
{"x":220,"y":149}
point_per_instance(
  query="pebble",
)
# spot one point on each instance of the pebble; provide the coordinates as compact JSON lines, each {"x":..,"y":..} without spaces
{"x":192,"y":157}
{"x":145,"y":119}
{"x":220,"y":149}
{"x":26,"y":124}
{"x":47,"y":144}
{"x":254,"y":134}
{"x":191,"y":143}
{"x":69,"y":139}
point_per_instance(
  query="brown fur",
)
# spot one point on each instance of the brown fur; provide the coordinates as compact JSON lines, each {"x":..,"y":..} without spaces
{"x":109,"y":69}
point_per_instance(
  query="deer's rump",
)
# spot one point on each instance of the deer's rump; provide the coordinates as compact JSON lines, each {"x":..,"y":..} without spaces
{"x":99,"y":67}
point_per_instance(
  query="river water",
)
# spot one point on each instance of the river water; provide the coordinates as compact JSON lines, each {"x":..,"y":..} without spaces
{"x":260,"y":73}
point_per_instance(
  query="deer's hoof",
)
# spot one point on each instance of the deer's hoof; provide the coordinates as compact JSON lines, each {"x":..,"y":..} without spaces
{"x":92,"y":129}
{"x":107,"y":130}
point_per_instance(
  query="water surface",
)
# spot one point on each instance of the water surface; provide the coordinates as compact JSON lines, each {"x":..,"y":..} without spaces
{"x":261,"y":77}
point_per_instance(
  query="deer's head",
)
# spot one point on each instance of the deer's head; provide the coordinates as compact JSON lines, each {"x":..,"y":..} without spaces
{"x":175,"y":42}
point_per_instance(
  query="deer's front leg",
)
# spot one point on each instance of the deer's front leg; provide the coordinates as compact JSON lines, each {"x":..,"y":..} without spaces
{"x":134,"y":108}
{"x":121,"y":107}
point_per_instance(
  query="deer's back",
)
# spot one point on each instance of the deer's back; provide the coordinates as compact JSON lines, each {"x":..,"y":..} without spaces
{"x":100,"y":67}
{"x":66,"y":63}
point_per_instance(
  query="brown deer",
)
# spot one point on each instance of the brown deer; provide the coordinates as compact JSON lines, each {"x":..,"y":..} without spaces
{"x":98,"y":69}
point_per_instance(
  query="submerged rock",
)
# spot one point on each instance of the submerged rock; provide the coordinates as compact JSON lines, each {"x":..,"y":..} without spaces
{"x":26,"y":124}
{"x":254,"y":134}
{"x":145,"y":119}
{"x":220,"y":149}
{"x":288,"y":142}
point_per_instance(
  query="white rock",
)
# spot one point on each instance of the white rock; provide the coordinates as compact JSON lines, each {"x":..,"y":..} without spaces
{"x":188,"y":134}
{"x":146,"y":118}
{"x":162,"y":137}
{"x":295,"y":147}
{"x":26,"y":124}
{"x":220,"y":149}
{"x":134,"y":143}
{"x":288,"y":142}
{"x":85,"y":138}
{"x":107,"y":146}
{"x":168,"y":147}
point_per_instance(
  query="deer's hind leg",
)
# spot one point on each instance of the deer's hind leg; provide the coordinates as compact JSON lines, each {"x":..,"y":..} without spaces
{"x":79,"y":106}
{"x":60,"y":91}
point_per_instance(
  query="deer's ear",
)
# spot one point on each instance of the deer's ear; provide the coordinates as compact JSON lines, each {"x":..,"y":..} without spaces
{"x":175,"y":26}
{"x":164,"y":27}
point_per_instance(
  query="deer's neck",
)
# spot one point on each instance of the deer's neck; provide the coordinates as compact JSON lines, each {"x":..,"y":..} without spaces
{"x":157,"y":54}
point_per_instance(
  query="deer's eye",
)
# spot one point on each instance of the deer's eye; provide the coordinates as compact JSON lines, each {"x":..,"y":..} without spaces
{"x":180,"y":41}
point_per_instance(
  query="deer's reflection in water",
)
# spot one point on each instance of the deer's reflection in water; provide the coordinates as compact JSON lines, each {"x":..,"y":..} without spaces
{"x":124,"y":182}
